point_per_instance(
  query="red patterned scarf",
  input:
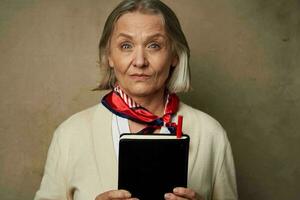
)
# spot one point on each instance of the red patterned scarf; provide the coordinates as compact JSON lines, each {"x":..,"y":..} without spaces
{"x":122,"y":105}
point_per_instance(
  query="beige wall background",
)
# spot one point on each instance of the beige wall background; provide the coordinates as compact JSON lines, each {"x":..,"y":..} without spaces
{"x":245,"y":67}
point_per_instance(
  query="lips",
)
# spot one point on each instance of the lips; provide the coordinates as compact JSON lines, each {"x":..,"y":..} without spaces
{"x":140,"y":77}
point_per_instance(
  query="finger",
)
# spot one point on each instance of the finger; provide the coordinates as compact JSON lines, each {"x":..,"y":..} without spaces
{"x":118,"y":194}
{"x":171,"y":196}
{"x":132,"y":199}
{"x":186,"y":192}
{"x":114,"y":194}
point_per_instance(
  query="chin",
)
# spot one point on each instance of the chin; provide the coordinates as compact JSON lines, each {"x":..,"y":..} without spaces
{"x":140,"y":93}
{"x":143,"y":91}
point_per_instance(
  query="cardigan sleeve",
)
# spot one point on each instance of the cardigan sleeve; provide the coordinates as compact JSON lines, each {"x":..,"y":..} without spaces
{"x":54,"y":184}
{"x":225,"y":182}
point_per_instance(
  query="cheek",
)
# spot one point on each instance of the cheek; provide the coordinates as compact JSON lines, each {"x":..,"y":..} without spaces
{"x":119,"y":74}
{"x":118,"y":61}
{"x":163,"y":69}
{"x":120,"y":66}
{"x":162,"y":75}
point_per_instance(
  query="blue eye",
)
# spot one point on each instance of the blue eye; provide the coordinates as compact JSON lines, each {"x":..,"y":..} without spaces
{"x":126,"y":46}
{"x":154,"y":46}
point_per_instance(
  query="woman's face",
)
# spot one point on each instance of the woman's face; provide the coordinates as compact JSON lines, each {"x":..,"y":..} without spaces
{"x":140,"y":54}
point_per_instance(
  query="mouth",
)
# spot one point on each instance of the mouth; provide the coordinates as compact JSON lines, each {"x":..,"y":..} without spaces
{"x":140,"y":77}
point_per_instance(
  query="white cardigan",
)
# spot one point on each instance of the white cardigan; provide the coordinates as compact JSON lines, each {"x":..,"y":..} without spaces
{"x":81,"y":161}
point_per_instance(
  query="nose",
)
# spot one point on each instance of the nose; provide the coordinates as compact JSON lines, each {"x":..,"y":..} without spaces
{"x":140,"y":59}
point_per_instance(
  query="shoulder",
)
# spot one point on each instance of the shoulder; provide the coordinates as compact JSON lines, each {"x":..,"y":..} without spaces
{"x":79,"y":119}
{"x":202,"y":126}
{"x":84,"y":117}
{"x":192,"y":115}
{"x":80,"y":123}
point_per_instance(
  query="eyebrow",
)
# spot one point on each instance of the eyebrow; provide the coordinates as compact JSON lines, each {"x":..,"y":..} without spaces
{"x":149,"y":36}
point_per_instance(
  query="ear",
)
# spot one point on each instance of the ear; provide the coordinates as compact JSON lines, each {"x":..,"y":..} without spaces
{"x":175,"y":61}
{"x":110,"y":61}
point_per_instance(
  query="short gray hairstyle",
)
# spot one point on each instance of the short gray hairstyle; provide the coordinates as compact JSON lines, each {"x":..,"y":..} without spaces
{"x":180,"y":77}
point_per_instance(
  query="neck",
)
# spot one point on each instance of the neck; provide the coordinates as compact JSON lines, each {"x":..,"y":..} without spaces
{"x":154,"y":103}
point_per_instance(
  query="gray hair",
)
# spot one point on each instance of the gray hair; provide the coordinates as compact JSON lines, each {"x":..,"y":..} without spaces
{"x":180,"y":78}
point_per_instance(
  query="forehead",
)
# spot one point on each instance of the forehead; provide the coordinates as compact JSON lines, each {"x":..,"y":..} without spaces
{"x":136,"y":22}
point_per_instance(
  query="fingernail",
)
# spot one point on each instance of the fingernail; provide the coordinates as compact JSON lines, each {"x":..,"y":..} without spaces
{"x":175,"y":190}
{"x":167,"y":195}
{"x":127,"y":194}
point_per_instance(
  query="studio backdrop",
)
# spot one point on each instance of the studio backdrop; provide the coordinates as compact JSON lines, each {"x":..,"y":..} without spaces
{"x":245,"y":62}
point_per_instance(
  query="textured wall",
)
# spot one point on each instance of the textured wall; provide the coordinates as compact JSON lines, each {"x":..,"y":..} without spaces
{"x":245,"y":65}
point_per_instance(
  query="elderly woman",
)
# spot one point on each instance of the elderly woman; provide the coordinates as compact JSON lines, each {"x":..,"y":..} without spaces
{"x":145,"y":60}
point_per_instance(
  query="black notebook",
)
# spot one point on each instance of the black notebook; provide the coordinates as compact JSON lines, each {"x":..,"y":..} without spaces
{"x":152,"y":165}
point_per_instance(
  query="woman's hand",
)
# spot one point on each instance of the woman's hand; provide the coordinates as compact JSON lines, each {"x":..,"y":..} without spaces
{"x":181,"y":193}
{"x":115,"y":194}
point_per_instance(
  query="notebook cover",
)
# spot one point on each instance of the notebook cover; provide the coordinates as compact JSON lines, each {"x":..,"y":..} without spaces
{"x":150,"y":167}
